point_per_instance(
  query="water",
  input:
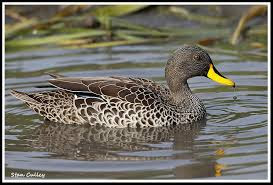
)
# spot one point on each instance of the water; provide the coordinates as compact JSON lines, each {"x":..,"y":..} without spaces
{"x":231,"y":144}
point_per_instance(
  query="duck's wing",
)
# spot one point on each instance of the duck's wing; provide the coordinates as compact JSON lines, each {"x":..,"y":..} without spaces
{"x":134,"y":90}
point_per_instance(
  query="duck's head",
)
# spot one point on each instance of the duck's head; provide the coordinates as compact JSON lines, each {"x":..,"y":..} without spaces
{"x":190,"y":61}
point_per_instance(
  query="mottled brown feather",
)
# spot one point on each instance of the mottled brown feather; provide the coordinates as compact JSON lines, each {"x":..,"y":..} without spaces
{"x":127,"y":89}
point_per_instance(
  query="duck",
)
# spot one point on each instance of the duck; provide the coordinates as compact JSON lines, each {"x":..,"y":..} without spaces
{"x":116,"y":101}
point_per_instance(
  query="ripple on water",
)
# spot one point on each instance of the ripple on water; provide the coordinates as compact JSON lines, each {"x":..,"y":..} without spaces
{"x":231,"y":145}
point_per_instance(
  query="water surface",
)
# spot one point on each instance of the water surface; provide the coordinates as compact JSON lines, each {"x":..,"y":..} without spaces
{"x":231,"y":144}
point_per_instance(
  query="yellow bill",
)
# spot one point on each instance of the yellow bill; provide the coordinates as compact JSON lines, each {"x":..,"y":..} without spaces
{"x":217,"y":77}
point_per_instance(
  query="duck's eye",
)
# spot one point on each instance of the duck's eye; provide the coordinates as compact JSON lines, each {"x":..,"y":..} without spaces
{"x":196,"y":57}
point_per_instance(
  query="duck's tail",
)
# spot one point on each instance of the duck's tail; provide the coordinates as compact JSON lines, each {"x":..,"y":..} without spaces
{"x":56,"y":106}
{"x":23,"y":97}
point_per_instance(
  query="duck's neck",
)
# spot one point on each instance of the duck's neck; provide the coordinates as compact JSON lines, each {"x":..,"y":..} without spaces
{"x":182,"y":96}
{"x":180,"y":93}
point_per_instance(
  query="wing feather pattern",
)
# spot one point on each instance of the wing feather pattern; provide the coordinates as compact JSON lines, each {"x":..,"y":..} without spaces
{"x":134,"y":90}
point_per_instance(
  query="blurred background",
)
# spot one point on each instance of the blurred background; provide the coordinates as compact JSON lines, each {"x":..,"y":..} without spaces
{"x":92,"y":26}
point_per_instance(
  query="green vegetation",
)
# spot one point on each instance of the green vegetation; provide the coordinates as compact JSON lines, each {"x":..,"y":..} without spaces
{"x":89,"y":26}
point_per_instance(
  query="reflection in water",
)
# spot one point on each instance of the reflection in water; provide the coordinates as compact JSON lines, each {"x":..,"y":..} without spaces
{"x":90,"y":143}
{"x":101,"y":143}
